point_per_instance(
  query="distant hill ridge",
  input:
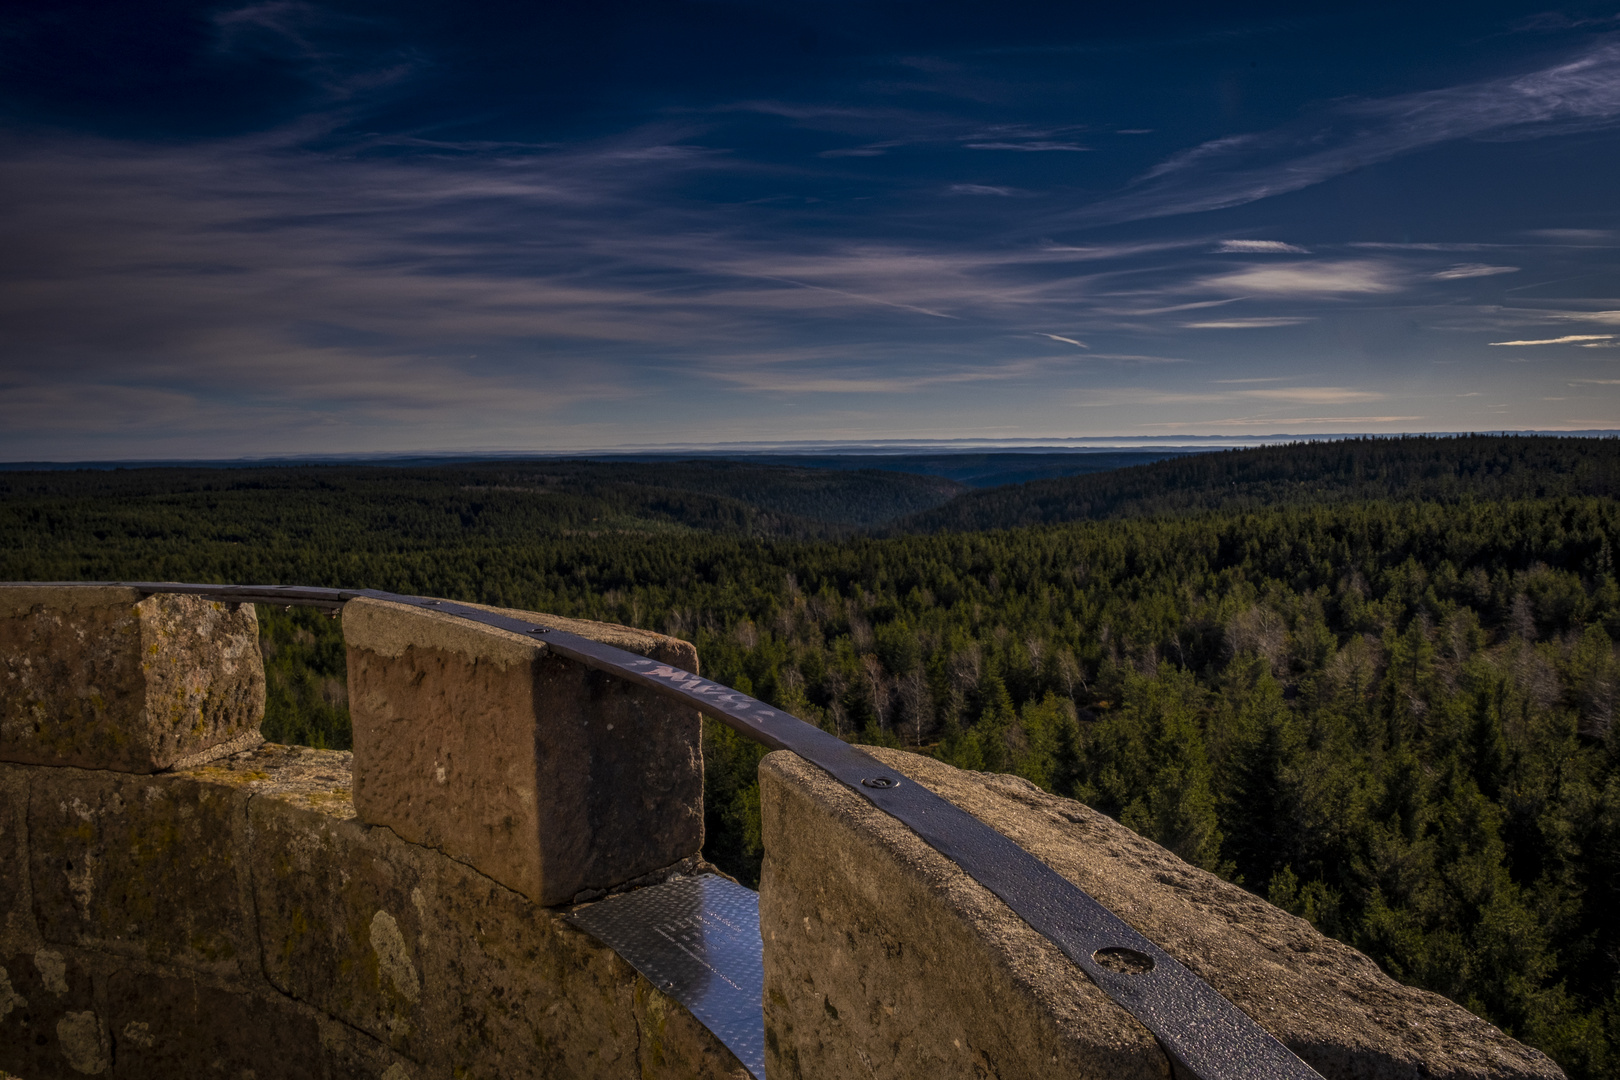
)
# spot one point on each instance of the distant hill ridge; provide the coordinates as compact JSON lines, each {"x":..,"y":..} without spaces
{"x":1442,"y":468}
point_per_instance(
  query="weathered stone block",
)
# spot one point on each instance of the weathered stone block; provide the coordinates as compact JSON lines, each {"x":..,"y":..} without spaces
{"x":16,"y":911}
{"x":340,"y":916}
{"x":49,"y":1025}
{"x":523,"y":992}
{"x":543,"y":774}
{"x":100,"y":678}
{"x":141,"y":866}
{"x":883,"y":957}
{"x":164,"y":1028}
{"x":351,"y":1055}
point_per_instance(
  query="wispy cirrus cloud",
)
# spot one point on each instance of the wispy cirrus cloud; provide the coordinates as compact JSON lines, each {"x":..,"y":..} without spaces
{"x":1260,"y":247}
{"x":1381,"y":245}
{"x":1324,"y":278}
{"x":1472,"y":270}
{"x":1257,"y":322}
{"x":1281,"y":423}
{"x":778,"y":382}
{"x":1567,"y":339}
{"x":1605,"y":318}
{"x":1312,"y":395}
{"x":491,"y":287}
{"x":1249,"y":391}
{"x":980,"y":189}
{"x":1579,"y":94}
{"x":1578,"y":237}
{"x":1036,"y":146}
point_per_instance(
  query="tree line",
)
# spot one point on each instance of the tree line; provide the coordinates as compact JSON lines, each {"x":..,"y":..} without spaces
{"x":1444,"y":468}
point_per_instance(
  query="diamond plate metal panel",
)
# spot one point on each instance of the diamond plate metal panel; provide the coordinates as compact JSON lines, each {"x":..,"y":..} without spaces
{"x":697,"y":940}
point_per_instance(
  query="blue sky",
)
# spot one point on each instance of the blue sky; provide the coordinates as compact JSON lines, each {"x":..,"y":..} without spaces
{"x":305,"y":228}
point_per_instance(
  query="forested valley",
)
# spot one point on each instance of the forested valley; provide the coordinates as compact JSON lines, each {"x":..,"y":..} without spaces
{"x":1373,"y":682}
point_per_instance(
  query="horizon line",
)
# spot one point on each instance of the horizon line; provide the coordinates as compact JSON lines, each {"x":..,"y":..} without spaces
{"x":789,"y":448}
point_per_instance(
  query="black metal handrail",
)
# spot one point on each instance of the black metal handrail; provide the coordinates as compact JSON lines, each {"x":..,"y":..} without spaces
{"x":1199,"y":1028}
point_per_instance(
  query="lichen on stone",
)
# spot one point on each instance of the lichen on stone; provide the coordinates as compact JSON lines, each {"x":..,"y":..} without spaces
{"x":394,"y":957}
{"x":84,"y":1042}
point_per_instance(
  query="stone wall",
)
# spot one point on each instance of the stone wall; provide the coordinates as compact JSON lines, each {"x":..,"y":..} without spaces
{"x":163,"y":914}
{"x":177,"y":899}
{"x":237,"y":920}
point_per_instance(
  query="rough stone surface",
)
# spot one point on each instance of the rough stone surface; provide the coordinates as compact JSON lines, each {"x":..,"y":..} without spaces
{"x":39,"y":991}
{"x":315,"y":780}
{"x":835,"y":870}
{"x":96,"y":677}
{"x":882,"y":958}
{"x":534,"y":996}
{"x":661,"y":647}
{"x":340,"y":920}
{"x":16,"y":914}
{"x":144,"y":866}
{"x":350,"y":1054}
{"x":547,"y":776}
{"x":450,"y":968}
{"x":386,"y":960}
{"x":163,"y":1028}
{"x":85,"y":1045}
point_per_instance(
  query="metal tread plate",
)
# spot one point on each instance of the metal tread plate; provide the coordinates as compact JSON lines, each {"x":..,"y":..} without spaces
{"x":697,"y":940}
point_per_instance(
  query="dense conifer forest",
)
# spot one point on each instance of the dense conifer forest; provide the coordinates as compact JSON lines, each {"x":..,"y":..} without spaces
{"x":1415,"y":467}
{"x":1374,"y":681}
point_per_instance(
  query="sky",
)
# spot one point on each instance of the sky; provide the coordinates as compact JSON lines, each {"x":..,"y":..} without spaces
{"x":304,"y":228}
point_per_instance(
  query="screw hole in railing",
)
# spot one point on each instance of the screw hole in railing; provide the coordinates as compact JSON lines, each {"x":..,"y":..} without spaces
{"x":1124,"y":961}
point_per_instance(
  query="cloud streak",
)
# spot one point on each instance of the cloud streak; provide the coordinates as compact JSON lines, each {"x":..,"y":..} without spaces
{"x":1567,"y":339}
{"x":1326,"y":278}
{"x":1260,"y":247}
{"x":1472,"y":270}
{"x":1579,"y":94}
{"x":1258,"y":322}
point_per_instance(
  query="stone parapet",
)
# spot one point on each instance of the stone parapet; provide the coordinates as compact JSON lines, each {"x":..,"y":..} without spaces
{"x":172,"y":904}
{"x":553,"y":779}
{"x":883,"y":958}
{"x":237,"y":919}
{"x":99,"y":678}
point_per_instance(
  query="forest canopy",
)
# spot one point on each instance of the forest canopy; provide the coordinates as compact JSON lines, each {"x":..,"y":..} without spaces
{"x":1442,"y":468}
{"x":1382,"y":697}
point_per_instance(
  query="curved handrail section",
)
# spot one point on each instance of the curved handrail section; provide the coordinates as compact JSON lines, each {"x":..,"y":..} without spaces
{"x":1203,"y":1031}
